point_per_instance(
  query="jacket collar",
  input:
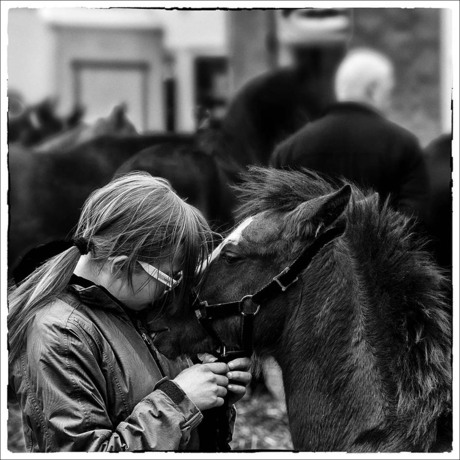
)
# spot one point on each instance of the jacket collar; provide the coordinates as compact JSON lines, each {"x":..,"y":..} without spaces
{"x":353,"y":107}
{"x":96,"y":296}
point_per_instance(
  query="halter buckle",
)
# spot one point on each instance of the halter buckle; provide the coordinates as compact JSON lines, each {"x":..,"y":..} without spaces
{"x":221,"y":350}
{"x":248,"y":306}
{"x":200,"y":312}
{"x":280,"y":284}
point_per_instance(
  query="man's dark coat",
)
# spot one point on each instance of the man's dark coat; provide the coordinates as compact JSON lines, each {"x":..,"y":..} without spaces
{"x":356,"y":142}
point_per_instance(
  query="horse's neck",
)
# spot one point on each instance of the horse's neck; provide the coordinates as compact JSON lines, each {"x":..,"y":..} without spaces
{"x":333,"y":388}
{"x":343,"y":391}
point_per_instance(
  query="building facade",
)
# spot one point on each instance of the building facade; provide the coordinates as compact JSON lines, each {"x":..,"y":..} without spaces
{"x":167,"y":65}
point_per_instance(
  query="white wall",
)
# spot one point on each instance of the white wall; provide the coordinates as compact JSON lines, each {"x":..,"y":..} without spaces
{"x":446,"y":70}
{"x":29,"y":55}
{"x":186,"y":34}
{"x":183,"y":28}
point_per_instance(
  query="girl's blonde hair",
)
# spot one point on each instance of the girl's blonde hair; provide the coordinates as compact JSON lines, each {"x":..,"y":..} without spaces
{"x":135,"y":215}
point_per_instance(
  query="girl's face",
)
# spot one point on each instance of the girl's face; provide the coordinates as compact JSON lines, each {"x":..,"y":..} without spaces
{"x":144,"y":289}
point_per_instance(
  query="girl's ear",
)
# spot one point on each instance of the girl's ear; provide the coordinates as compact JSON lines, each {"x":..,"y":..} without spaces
{"x":115,"y":264}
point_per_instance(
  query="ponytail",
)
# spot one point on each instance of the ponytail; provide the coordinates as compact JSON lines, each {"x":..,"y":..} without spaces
{"x":37,"y":290}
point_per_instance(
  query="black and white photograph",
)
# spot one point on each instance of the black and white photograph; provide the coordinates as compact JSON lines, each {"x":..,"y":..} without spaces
{"x":229,"y":229}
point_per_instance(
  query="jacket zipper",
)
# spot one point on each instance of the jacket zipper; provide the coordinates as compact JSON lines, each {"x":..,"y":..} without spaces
{"x":140,"y":329}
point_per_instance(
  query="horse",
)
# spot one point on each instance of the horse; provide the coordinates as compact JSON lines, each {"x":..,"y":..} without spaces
{"x":50,"y":181}
{"x":338,"y":288}
{"x":48,"y":188}
{"x":33,"y":124}
{"x":115,"y":123}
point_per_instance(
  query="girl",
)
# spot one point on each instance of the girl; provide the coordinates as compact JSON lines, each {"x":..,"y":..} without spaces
{"x":83,"y":368}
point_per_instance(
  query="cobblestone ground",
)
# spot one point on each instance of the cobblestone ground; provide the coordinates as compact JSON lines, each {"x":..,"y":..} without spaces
{"x":261,"y":424}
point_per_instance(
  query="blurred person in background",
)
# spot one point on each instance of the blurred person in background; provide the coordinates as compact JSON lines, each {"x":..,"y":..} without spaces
{"x":272,"y":106}
{"x":355,"y":140}
{"x":83,"y":368}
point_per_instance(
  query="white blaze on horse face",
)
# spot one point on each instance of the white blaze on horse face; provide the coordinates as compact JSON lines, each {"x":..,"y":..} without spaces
{"x":233,"y":238}
{"x":236,"y":235}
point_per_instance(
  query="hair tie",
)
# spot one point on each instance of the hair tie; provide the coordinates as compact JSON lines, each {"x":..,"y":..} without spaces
{"x":82,"y":244}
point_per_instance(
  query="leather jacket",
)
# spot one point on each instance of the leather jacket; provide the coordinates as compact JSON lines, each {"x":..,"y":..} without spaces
{"x":89,"y":379}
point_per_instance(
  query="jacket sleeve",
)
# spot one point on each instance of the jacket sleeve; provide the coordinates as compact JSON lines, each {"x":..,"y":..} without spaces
{"x":69,"y":410}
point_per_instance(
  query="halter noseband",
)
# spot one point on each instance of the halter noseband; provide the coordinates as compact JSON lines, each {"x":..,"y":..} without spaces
{"x":249,"y":305}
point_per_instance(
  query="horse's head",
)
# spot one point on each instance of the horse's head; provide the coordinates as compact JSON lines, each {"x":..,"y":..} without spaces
{"x":248,"y":260}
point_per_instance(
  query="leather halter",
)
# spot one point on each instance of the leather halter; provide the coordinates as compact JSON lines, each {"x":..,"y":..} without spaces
{"x":249,"y":305}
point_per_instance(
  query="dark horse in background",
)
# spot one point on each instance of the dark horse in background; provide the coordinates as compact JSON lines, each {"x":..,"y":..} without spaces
{"x":32,"y":124}
{"x":363,"y":335}
{"x":438,"y":155}
{"x":49,"y":184}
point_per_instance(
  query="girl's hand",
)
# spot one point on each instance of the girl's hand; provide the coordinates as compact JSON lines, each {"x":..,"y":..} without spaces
{"x":205,"y":384}
{"x":239,"y":378}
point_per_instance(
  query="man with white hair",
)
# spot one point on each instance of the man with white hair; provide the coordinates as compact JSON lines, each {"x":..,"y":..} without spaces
{"x":365,"y":76}
{"x":354,"y":140}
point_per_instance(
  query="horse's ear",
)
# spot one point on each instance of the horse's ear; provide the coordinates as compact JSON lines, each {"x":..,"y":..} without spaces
{"x":331,"y":207}
{"x":118,"y":113}
{"x":322,"y":211}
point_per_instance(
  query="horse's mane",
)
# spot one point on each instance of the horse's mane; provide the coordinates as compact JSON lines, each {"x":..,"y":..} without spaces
{"x":264,"y":189}
{"x":407,"y":319}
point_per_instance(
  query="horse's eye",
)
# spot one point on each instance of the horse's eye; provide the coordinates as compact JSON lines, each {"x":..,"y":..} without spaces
{"x":230,"y":258}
